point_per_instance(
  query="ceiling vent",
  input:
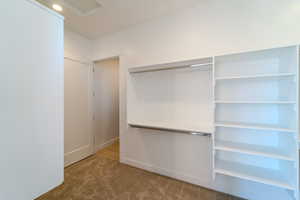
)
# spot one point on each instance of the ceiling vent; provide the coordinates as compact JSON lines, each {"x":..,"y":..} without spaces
{"x":83,"y":7}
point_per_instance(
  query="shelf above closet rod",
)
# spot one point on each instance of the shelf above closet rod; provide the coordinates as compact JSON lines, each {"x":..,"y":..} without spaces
{"x":254,"y":102}
{"x":201,"y":64}
{"x":257,"y":76}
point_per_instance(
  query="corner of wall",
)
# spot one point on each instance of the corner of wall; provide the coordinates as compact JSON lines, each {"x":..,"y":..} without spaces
{"x":77,"y":47}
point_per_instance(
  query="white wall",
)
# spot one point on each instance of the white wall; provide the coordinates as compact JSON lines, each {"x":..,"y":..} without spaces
{"x":77,"y":47}
{"x":106,"y":102}
{"x":31,"y":96}
{"x":212,"y":28}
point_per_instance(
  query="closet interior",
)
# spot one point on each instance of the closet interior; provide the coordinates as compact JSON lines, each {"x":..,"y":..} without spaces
{"x":247,"y":103}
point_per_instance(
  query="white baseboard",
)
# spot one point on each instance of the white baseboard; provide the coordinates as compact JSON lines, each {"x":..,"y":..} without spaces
{"x":83,"y":152}
{"x":105,"y":144}
{"x":180,"y":176}
{"x":166,"y":172}
{"x":78,"y":154}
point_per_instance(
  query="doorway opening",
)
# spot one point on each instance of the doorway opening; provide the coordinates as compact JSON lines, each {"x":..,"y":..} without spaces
{"x":91,"y":108}
{"x":106,"y":104}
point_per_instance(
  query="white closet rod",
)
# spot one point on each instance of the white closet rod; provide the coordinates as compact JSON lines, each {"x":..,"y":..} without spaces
{"x":171,"y":130}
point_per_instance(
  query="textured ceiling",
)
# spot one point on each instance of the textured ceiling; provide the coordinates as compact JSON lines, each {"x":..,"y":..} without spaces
{"x":115,"y":15}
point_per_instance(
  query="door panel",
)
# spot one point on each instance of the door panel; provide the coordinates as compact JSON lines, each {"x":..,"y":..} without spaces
{"x":78,"y":134}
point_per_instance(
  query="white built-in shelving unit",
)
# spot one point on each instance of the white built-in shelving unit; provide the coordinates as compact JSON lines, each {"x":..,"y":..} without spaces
{"x":256,"y":117}
{"x":246,"y":102}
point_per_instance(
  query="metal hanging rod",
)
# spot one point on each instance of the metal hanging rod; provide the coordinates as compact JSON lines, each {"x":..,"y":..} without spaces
{"x":200,"y":65}
{"x":163,"y":68}
{"x":188,"y":132}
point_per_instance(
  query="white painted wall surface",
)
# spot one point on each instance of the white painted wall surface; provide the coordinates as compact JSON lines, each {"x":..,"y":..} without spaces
{"x":77,"y":47}
{"x":31,"y":85}
{"x":211,"y":28}
{"x":106,"y":102}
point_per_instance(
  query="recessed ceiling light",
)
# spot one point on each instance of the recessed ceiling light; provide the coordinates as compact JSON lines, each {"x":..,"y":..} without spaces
{"x":57,"y":7}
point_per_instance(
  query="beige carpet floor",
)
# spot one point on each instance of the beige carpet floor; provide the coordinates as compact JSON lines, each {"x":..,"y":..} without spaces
{"x":102,"y":177}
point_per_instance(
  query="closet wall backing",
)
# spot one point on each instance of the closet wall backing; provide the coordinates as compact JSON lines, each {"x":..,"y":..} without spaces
{"x":164,"y":97}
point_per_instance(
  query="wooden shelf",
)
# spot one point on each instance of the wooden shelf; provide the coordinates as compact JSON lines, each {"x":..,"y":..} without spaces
{"x":254,"y":126}
{"x":258,"y":76}
{"x":250,"y":149}
{"x":252,"y":173}
{"x":254,"y":102}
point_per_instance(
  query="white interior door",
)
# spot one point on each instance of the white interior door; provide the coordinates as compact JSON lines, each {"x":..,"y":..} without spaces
{"x":78,"y":116}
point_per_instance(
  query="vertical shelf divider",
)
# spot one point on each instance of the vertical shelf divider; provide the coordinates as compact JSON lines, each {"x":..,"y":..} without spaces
{"x":296,"y":192}
{"x":214,"y":118}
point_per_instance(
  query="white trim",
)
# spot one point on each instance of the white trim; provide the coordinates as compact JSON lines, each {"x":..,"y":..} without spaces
{"x":76,"y":150}
{"x":46,"y":9}
{"x":106,"y":58}
{"x":296,"y":192}
{"x":81,"y":153}
{"x":99,"y":147}
{"x":166,"y":172}
{"x":78,"y":61}
{"x":76,"y":58}
{"x":169,"y":173}
{"x":62,"y":108}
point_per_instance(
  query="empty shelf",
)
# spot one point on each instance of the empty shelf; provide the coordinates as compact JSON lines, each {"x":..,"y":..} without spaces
{"x":254,"y":102}
{"x":250,"y":149}
{"x":278,"y":75}
{"x":253,"y":173}
{"x":254,"y":126}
